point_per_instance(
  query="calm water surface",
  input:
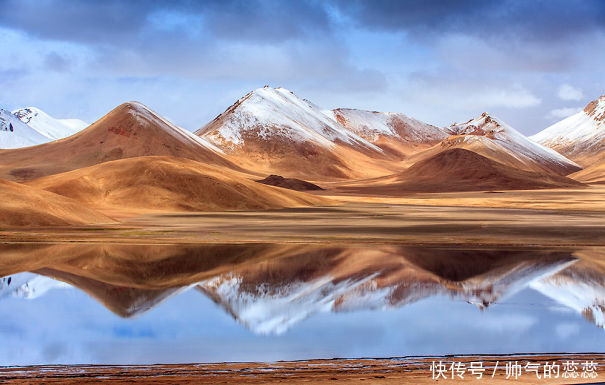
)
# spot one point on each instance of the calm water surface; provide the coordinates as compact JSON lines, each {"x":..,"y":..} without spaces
{"x":112,"y":304}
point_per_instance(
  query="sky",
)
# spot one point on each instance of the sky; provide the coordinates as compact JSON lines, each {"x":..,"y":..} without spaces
{"x":530,"y":63}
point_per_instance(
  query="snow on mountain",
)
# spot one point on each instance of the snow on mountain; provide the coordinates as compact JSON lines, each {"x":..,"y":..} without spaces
{"x":372,"y":125}
{"x":274,"y":307}
{"x":486,"y":290}
{"x":583,"y":292}
{"x":514,"y":143}
{"x":47,"y":125}
{"x":580,"y":135}
{"x":28,"y":285}
{"x":269,"y":311}
{"x":14,"y":133}
{"x":273,"y":114}
{"x":146,"y":116}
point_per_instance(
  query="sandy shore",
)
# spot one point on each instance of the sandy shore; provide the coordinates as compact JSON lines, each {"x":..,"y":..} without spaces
{"x":560,"y":217}
{"x":413,"y":370}
{"x":351,"y":222}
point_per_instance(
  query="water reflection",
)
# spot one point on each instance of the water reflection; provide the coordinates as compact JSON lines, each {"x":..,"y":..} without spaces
{"x":270,"y":288}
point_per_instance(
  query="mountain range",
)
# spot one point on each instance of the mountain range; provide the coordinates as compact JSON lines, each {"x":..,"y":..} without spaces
{"x":270,"y":288}
{"x":133,"y":158}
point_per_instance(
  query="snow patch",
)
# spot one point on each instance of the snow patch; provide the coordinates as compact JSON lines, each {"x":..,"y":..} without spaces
{"x":274,"y":311}
{"x":47,"y":125}
{"x":371,"y":125}
{"x":15,"y":134}
{"x":581,"y":132}
{"x":146,"y":116}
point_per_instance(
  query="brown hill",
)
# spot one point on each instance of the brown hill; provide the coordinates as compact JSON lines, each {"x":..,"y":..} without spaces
{"x":461,"y":170}
{"x":130,"y":130}
{"x":27,"y":206}
{"x":275,"y":132}
{"x":169,"y":184}
{"x":494,"y":139}
{"x":594,"y":174}
{"x":289,"y":183}
{"x":395,"y":133}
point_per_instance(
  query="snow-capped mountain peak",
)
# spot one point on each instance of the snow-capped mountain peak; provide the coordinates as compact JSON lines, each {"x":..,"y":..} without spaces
{"x":278,"y":114}
{"x":48,"y":126}
{"x":514,"y":142}
{"x":484,"y":125}
{"x":372,"y":125}
{"x":14,"y":133}
{"x":581,"y":135}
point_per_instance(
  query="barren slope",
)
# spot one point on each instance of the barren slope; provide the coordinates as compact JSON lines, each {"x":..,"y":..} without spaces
{"x":169,"y":184}
{"x":460,"y":170}
{"x":130,"y":130}
{"x":595,"y":173}
{"x":27,"y":206}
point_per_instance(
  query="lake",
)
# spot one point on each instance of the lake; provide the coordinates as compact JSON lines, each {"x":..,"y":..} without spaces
{"x":142,"y":304}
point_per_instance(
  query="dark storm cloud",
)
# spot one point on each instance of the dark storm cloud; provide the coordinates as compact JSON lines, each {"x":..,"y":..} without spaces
{"x":117,"y":22}
{"x":373,"y":54}
{"x":533,"y":20}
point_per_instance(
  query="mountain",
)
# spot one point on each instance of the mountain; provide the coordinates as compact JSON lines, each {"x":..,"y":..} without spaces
{"x":126,"y":278}
{"x":27,"y":206}
{"x":393,"y":132}
{"x":271,"y":297}
{"x":491,"y":137}
{"x":458,"y":169}
{"x":270,"y":288}
{"x":47,"y":125}
{"x":146,"y":266}
{"x":15,"y":134}
{"x":130,"y":130}
{"x":169,"y":184}
{"x":275,"y":132}
{"x":580,"y":287}
{"x":580,"y":137}
{"x":123,"y":301}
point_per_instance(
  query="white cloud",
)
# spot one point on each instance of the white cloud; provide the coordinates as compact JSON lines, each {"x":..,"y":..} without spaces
{"x":515,"y":97}
{"x":561,"y":113}
{"x":468,"y":94}
{"x":568,"y":92}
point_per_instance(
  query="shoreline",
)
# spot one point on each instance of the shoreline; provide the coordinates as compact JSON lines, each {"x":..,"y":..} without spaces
{"x":394,"y":370}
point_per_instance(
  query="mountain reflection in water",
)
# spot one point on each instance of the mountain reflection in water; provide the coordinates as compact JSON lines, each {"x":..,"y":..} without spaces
{"x":269,"y":288}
